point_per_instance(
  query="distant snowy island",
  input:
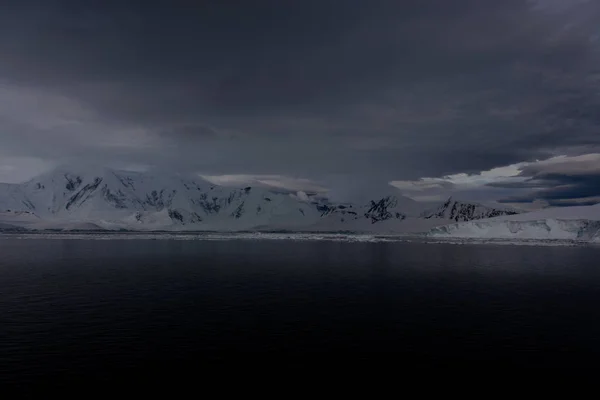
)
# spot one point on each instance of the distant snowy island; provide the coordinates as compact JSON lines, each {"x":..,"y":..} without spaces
{"x":92,"y":200}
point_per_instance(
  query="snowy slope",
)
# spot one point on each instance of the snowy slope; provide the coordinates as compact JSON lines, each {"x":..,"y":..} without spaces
{"x":16,"y":220}
{"x":117,"y":199}
{"x":571,"y":223}
{"x":12,"y":198}
{"x":102,"y":198}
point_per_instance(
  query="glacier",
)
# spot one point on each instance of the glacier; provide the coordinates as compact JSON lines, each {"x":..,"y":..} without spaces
{"x":73,"y":198}
{"x":580,"y":224}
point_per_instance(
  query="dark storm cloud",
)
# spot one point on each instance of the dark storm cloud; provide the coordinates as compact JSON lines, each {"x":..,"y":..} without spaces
{"x":559,"y":182}
{"x":377,"y":90}
{"x":574,"y":202}
{"x":559,"y":187}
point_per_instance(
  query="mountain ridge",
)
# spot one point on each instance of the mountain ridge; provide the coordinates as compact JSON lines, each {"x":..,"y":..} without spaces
{"x":114,"y":199}
{"x":461,"y":211}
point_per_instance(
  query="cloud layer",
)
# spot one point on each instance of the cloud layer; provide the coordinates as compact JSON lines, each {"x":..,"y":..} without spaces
{"x":559,"y":181}
{"x":354,"y":93}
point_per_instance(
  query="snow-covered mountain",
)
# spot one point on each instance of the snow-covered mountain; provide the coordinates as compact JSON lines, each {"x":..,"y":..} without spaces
{"x":572,"y":223}
{"x":102,"y":198}
{"x":135,"y":200}
{"x":459,"y":211}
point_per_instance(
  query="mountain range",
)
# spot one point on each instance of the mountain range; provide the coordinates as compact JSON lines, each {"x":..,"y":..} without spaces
{"x":106,"y":199}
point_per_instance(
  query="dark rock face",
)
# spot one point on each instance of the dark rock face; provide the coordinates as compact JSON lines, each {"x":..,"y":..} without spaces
{"x":324,"y":209}
{"x":239,"y":211}
{"x":379,"y":210}
{"x":462,"y":212}
{"x":195,"y":218}
{"x":116,"y":199}
{"x":81,"y":196}
{"x":126,"y":181}
{"x":72,"y":183}
{"x":28,"y":204}
{"x":210,"y":206}
{"x":497,"y":213}
{"x":179,"y":217}
{"x":329,"y":208}
{"x":158,"y":199}
{"x":175,"y":215}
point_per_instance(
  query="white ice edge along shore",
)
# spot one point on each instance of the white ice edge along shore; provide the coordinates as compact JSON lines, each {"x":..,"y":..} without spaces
{"x":302,"y":237}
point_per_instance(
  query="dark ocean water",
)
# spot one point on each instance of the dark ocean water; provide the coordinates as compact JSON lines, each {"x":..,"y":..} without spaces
{"x":92,"y":308}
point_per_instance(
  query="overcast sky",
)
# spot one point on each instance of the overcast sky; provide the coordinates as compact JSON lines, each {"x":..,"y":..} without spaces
{"x":494,"y":100}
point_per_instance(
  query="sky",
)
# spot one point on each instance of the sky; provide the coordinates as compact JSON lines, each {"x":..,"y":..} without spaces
{"x":490,"y":100}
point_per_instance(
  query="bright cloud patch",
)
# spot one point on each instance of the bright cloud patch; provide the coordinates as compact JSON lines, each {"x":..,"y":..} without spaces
{"x":560,"y":181}
{"x":271,"y":181}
